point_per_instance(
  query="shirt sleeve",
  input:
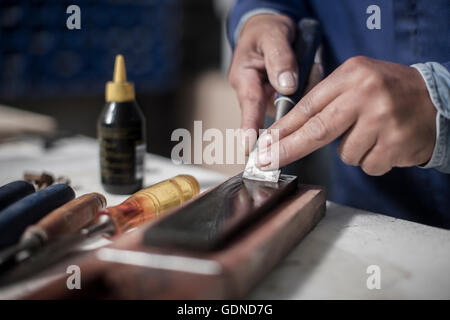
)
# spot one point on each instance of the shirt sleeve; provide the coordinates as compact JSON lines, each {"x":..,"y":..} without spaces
{"x":245,"y":9}
{"x":437,"y":79}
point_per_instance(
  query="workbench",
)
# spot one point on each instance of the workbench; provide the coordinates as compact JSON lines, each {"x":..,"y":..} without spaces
{"x":330,"y":263}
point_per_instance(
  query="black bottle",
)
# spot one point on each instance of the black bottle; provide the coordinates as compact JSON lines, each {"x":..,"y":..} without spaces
{"x":121,"y":133}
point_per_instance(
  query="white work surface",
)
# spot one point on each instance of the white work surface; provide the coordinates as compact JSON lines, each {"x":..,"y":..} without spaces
{"x":330,"y":263}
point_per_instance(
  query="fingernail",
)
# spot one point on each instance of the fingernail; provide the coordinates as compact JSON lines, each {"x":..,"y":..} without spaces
{"x":263,"y":158}
{"x":287,"y":80}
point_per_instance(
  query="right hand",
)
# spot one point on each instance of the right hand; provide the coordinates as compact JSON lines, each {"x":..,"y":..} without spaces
{"x":263,"y":63}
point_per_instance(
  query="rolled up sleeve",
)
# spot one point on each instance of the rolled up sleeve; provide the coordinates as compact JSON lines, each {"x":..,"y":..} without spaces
{"x":245,"y":9}
{"x":437,"y":79}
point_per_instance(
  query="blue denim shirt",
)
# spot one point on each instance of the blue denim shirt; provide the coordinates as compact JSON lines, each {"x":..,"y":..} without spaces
{"x":413,"y":32}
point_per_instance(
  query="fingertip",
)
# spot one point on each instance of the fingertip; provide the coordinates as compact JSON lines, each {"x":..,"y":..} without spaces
{"x":287,"y":82}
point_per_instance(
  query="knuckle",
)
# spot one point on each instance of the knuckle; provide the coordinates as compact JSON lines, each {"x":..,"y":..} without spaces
{"x":276,"y":32}
{"x":375,"y":81}
{"x":249,"y":97}
{"x":232,"y":78}
{"x":375,"y":165}
{"x":279,"y":58}
{"x":369,"y":168}
{"x":305,"y":106}
{"x":355,"y":62}
{"x":382,"y":113}
{"x":317,"y":129}
{"x":396,"y":138}
{"x":334,"y":109}
{"x":274,"y":52}
{"x":283,"y":151}
{"x":347,"y":157}
{"x":233,"y":74}
{"x":379,"y":171}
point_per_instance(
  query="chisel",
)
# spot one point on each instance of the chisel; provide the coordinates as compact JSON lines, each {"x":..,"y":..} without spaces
{"x":14,"y":191}
{"x":61,"y":222}
{"x":305,"y":48}
{"x":145,"y":205}
{"x":16,"y":217}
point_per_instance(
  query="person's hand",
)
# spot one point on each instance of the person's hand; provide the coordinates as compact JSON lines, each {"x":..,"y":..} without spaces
{"x":263,"y":61}
{"x":382,"y":108}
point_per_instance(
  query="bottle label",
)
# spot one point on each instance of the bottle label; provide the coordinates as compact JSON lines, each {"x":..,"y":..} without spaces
{"x":139,"y":163}
{"x":122,"y":152}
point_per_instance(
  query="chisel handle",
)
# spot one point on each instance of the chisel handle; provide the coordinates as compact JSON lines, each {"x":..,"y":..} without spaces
{"x":67,"y":219}
{"x":16,"y":217}
{"x":305,"y":47}
{"x":14,"y":191}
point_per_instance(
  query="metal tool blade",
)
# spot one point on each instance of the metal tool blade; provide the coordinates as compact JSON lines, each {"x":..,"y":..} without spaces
{"x":252,"y":172}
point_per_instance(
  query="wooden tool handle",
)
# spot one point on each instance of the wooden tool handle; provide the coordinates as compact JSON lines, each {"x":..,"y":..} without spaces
{"x":13,"y":192}
{"x":29,"y":210}
{"x":69,"y":218}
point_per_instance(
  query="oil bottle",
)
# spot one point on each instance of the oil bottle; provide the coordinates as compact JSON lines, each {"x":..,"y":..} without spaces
{"x":121,"y":134}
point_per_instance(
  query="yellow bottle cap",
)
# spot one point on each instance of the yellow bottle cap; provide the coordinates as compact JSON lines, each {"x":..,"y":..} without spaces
{"x":119,"y":89}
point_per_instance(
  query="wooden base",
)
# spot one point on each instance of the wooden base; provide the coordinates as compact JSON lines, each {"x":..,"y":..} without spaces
{"x":244,"y":262}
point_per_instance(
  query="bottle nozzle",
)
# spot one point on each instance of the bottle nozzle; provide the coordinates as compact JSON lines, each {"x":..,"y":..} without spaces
{"x":119,"y":90}
{"x":120,"y":74}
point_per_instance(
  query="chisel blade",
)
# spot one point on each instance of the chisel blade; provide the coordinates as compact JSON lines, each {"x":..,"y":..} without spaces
{"x":252,"y":172}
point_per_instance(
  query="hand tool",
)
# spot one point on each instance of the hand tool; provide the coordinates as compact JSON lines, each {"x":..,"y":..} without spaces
{"x":305,"y":48}
{"x":16,"y":217}
{"x":14,"y":191}
{"x":63,"y":221}
{"x":209,"y":222}
{"x":144,"y":205}
{"x":129,"y":269}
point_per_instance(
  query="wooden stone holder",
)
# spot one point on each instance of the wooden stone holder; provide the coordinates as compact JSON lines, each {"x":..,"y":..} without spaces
{"x":245,"y":261}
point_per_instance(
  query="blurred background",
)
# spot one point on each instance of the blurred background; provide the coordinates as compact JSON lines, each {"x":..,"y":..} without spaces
{"x":175,"y":51}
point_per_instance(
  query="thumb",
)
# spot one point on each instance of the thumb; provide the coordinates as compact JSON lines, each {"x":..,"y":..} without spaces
{"x":281,"y":65}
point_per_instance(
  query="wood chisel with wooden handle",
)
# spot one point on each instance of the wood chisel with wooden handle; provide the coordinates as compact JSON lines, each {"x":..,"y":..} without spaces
{"x":305,"y":48}
{"x":145,"y":205}
{"x":29,"y":210}
{"x":61,"y":222}
{"x":14,"y":191}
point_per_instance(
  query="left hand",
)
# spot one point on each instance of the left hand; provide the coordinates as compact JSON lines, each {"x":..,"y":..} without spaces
{"x":382,"y":108}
